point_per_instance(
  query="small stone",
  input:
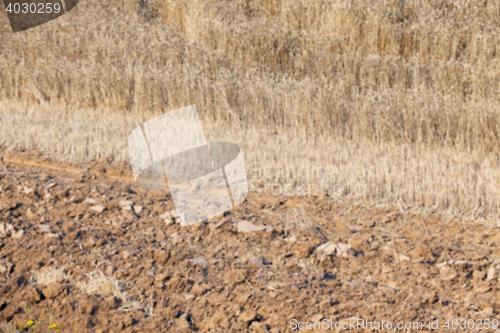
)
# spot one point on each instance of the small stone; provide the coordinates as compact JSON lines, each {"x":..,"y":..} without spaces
{"x":98,"y":208}
{"x":246,"y":226}
{"x":32,"y":216}
{"x":53,"y":290}
{"x":344,"y":250}
{"x":328,"y":248}
{"x":488,"y":312}
{"x":6,"y":267}
{"x":45,"y":228}
{"x":18,"y":234}
{"x":302,"y":250}
{"x":317,"y":318}
{"x":90,"y":201}
{"x":67,"y":227}
{"x":125,"y":203}
{"x":247,"y":317}
{"x":215,"y":226}
{"x":137,"y":209}
{"x":447,"y":273}
{"x":491,"y":273}
{"x":90,"y":242}
{"x":402,"y":257}
{"x":166,"y":215}
{"x":74,"y":235}
{"x":51,"y":235}
{"x":369,"y":224}
{"x":259,"y":327}
{"x":478,"y":275}
{"x":28,"y":190}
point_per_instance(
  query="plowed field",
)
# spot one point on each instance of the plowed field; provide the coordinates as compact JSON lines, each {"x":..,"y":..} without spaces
{"x":102,"y":255}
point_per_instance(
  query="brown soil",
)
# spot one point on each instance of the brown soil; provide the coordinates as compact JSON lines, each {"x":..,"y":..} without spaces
{"x":209,"y":277}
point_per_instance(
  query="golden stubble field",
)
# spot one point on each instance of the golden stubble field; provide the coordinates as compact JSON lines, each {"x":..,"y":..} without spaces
{"x":370,"y":134}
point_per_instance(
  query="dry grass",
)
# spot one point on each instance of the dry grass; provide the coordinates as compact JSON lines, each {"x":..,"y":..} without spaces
{"x":406,"y":88}
{"x":298,"y":221}
{"x":53,"y":275}
{"x":8,"y":327}
{"x":101,"y":284}
{"x":96,"y":283}
{"x":437,"y":180}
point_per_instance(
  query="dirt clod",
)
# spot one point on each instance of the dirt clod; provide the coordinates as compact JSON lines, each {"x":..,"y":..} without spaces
{"x":259,"y":327}
{"x":53,"y":290}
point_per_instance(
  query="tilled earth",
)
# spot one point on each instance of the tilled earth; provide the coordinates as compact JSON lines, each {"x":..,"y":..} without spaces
{"x":315,"y":259}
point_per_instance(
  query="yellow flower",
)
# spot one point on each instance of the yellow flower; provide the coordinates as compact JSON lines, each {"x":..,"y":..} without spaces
{"x":30,"y":323}
{"x":53,"y":326}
